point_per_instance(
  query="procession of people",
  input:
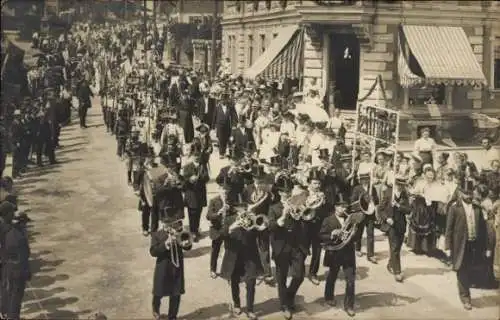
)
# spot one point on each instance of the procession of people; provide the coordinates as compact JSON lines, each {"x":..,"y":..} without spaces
{"x":295,"y":185}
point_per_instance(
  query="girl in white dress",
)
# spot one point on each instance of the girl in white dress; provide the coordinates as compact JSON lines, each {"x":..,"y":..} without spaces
{"x":270,"y":139}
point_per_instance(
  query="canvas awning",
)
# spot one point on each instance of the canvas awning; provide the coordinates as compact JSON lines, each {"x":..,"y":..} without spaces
{"x":283,"y":58}
{"x":405,"y":76}
{"x":444,"y":55}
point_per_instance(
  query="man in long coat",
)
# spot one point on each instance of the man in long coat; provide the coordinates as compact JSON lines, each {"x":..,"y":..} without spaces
{"x":15,"y":269}
{"x":168,"y":278}
{"x":465,"y":241}
{"x":196,"y":177}
{"x":224,"y":119}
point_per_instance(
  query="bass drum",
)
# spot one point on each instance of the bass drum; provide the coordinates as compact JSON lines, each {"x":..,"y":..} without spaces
{"x":153,"y":178}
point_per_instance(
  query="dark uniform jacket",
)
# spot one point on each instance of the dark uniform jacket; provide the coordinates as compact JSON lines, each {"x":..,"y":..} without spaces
{"x":237,"y":181}
{"x":195,"y":194}
{"x":168,"y":279}
{"x":398,"y":214}
{"x":344,"y":256}
{"x":293,"y":234}
{"x":169,"y":201}
{"x":241,"y":254}
{"x":240,"y":138}
{"x":216,"y":222}
{"x":14,"y":266}
{"x":457,"y":236}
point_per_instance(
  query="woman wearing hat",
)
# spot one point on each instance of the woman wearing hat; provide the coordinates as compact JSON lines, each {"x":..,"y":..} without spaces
{"x":425,"y":146}
{"x":422,"y":234}
{"x":442,"y":166}
{"x":289,"y":245}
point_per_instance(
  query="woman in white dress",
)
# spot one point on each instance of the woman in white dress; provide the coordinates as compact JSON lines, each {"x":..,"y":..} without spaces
{"x":270,"y":138}
{"x":425,"y":147}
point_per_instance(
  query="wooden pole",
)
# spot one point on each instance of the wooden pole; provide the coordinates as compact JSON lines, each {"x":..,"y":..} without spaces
{"x":214,"y":39}
{"x":145,"y":21}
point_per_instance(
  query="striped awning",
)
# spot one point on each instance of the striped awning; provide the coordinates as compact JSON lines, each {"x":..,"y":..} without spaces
{"x":283,"y":58}
{"x":444,"y":55}
{"x":406,"y":77}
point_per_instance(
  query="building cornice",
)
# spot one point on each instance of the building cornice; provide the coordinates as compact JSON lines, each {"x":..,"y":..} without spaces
{"x":266,"y":16}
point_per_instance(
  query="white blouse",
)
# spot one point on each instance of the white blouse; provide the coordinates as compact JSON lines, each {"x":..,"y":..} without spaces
{"x":425,"y":145}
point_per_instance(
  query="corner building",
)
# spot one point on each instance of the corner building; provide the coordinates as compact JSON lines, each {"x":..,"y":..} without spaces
{"x":438,"y":60}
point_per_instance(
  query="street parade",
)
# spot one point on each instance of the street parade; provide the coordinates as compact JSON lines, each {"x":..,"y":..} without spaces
{"x":283,"y":190}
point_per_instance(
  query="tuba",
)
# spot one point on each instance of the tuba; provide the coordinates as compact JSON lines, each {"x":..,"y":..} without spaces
{"x":347,"y":232}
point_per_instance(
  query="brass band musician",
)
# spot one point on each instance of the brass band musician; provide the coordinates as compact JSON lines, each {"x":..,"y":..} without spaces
{"x":344,"y":257}
{"x":289,"y":246}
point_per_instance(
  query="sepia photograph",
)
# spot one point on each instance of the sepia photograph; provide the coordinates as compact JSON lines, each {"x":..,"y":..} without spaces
{"x":217,"y":159}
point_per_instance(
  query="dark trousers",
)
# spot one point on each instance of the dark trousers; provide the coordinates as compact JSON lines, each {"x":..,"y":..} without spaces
{"x":464,"y":273}
{"x":57,"y":134}
{"x":47,"y":146}
{"x":82,"y":114}
{"x":12,"y":294}
{"x":214,"y":254}
{"x":396,"y":239}
{"x":194,"y":215}
{"x":368,"y":224}
{"x":173,"y":306}
{"x":148,"y":217}
{"x":121,"y":142}
{"x":350,"y":277}
{"x":235,"y":291}
{"x":223,"y":134}
{"x":315,"y":247}
{"x":285,"y":261}
{"x":265,"y":252}
{"x":17,"y":161}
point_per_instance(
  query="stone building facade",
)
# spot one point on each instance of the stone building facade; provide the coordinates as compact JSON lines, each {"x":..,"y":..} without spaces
{"x":373,"y":34}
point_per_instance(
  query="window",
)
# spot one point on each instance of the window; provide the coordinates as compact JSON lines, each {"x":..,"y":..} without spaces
{"x":256,"y":5}
{"x":196,"y":20}
{"x":275,"y":35}
{"x":427,"y":95}
{"x":250,"y":50}
{"x":262,"y":43}
{"x":268,"y":4}
{"x":283,"y":4}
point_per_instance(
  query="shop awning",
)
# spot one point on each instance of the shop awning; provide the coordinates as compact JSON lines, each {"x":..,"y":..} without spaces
{"x":283,"y":55}
{"x":406,"y":77}
{"x":444,"y":55}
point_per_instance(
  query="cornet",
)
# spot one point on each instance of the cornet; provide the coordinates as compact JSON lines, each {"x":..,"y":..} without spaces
{"x":176,"y":238}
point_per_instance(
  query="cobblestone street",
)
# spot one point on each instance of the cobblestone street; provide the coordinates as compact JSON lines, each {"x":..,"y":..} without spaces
{"x":89,"y":255}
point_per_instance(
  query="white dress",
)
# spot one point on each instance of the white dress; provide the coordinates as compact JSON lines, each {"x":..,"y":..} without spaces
{"x":270,"y":141}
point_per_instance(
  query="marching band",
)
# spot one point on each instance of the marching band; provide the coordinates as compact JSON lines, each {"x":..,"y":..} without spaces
{"x":292,"y":188}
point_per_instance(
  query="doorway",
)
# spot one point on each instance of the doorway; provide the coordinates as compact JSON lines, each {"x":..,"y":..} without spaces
{"x":344,"y":70}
